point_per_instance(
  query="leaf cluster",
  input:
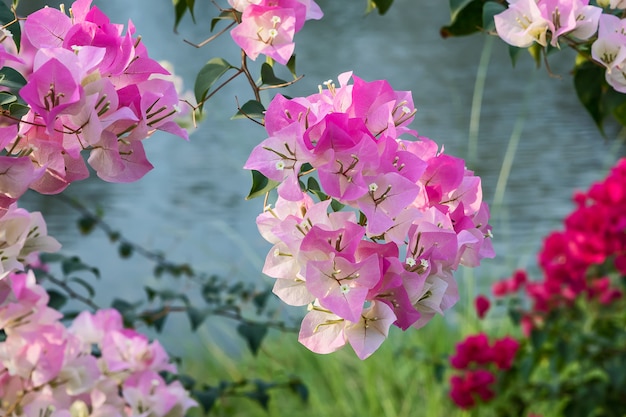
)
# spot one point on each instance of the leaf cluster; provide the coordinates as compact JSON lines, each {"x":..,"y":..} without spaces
{"x":571,"y":364}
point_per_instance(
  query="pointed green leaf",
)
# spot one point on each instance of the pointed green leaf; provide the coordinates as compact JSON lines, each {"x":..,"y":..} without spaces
{"x":291,"y":66}
{"x":206,"y":398}
{"x":268,"y":77}
{"x":382,"y":5}
{"x":18,"y":110}
{"x":465,"y":20}
{"x":57,"y":299}
{"x":74,"y":264}
{"x":252,"y":109}
{"x":7,"y":98}
{"x":253,"y":334}
{"x":514,"y":53}
{"x":490,"y":9}
{"x":180,"y":7}
{"x":535,"y":50}
{"x":196,"y":317}
{"x":190,"y":5}
{"x":127,"y":310}
{"x":260,"y":185}
{"x":226,"y":15}
{"x":208,"y":75}
{"x":11,"y":79}
{"x":589,"y":82}
{"x":455,"y":8}
{"x":336,"y":205}
{"x":125,"y":250}
{"x":300,"y":389}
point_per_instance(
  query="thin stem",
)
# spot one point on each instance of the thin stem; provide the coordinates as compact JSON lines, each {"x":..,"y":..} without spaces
{"x":244,"y":68}
{"x":204,"y":42}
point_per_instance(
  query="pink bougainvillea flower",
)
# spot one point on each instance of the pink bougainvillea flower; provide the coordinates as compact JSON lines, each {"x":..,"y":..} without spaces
{"x":371,"y":330}
{"x":266,"y":30}
{"x":522,"y":24}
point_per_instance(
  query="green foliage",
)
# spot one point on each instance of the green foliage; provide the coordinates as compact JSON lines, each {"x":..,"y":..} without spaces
{"x":261,"y":185}
{"x":268,"y":77}
{"x":252,"y":109}
{"x":181,"y":7}
{"x":253,"y":334}
{"x":7,"y":16}
{"x":212,"y":71}
{"x":381,"y":5}
{"x":466,"y":17}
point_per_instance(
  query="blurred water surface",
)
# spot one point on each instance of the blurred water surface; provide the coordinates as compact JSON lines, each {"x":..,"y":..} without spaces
{"x":192,"y":207}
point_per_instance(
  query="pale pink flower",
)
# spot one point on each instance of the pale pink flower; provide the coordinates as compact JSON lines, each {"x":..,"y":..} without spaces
{"x":268,"y":31}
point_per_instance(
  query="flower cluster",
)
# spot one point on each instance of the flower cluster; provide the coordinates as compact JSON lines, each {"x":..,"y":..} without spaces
{"x":22,"y":236}
{"x":95,"y":367}
{"x":88,"y":86}
{"x":593,"y":237}
{"x":414,"y":215}
{"x":610,"y":50}
{"x":268,"y":26}
{"x":525,"y":22}
{"x":479,"y":360}
{"x":573,"y":320}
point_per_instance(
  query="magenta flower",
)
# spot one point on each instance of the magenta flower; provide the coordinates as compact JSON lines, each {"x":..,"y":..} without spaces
{"x":482,"y":305}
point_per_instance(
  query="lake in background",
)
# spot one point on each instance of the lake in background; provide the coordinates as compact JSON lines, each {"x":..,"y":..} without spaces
{"x":192,"y":207}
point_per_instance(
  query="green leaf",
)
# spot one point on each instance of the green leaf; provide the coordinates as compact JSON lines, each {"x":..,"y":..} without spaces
{"x":226,"y":15}
{"x":300,"y":389}
{"x":490,"y":9}
{"x":11,"y":79}
{"x":190,"y":5}
{"x":514,"y":53}
{"x":196,"y":317}
{"x":589,"y":82}
{"x":268,"y":77}
{"x":260,"y":395}
{"x":127,"y":310}
{"x":180,"y":8}
{"x":74,"y":264}
{"x":291,"y":66}
{"x":6,"y":16}
{"x":7,"y":98}
{"x":206,"y":398}
{"x":155,"y":318}
{"x":336,"y":205}
{"x":208,"y":75}
{"x":382,"y":5}
{"x":57,"y":299}
{"x":18,"y":110}
{"x":85,"y":285}
{"x":456,"y":6}
{"x":125,"y":250}
{"x":535,"y":50}
{"x":465,"y":20}
{"x":260,"y":300}
{"x":252,"y":109}
{"x":260,"y":185}
{"x":253,"y":335}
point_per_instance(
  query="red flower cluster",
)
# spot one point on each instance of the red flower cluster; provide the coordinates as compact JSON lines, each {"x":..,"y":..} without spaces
{"x":479,"y":360}
{"x":594,"y":235}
